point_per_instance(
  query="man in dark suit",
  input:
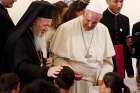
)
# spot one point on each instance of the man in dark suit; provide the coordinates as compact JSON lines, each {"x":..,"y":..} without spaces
{"x":21,"y":51}
{"x":118,"y":26}
{"x":6,"y":24}
{"x":136,"y":41}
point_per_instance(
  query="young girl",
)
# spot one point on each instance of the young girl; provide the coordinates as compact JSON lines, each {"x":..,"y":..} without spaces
{"x":113,"y":83}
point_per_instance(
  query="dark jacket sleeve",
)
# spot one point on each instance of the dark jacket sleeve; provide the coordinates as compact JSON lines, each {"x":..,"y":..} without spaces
{"x":27,"y":65}
{"x":6,"y":27}
{"x":136,"y":39}
{"x":126,"y":26}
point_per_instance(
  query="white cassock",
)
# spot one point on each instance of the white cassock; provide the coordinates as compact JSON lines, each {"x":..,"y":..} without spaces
{"x":87,"y":52}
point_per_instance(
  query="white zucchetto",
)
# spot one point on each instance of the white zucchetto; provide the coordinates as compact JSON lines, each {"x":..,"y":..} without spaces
{"x":95,"y":6}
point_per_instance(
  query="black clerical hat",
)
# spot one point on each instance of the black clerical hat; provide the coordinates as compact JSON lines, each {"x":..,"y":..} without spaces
{"x":36,"y":9}
{"x":47,"y":12}
{"x":44,"y":9}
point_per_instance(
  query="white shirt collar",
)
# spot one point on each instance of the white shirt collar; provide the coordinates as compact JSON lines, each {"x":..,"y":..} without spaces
{"x":113,"y":12}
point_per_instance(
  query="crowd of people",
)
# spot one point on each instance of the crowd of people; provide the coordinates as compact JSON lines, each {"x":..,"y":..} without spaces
{"x":67,"y":48}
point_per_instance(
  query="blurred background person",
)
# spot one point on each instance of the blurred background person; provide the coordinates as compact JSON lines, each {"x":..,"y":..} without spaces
{"x":75,"y":9}
{"x":60,"y":12}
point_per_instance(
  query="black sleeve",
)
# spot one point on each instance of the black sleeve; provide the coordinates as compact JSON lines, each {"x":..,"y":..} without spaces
{"x":26,"y":64}
{"x":126,"y":26}
{"x":6,"y":27}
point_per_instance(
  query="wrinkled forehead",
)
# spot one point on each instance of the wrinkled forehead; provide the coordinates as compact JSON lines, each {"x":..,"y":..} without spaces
{"x":116,"y":0}
{"x":93,"y":14}
{"x":43,"y":19}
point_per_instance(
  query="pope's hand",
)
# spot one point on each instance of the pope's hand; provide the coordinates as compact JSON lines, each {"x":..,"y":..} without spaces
{"x":78,"y":76}
{"x":49,"y":61}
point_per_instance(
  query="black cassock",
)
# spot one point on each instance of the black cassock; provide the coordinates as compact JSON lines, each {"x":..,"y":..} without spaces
{"x":6,"y":26}
{"x":118,"y":26}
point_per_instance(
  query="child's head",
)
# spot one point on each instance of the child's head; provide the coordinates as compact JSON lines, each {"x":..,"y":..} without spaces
{"x":40,"y":86}
{"x":9,"y":82}
{"x":113,"y":83}
{"x":65,"y":78}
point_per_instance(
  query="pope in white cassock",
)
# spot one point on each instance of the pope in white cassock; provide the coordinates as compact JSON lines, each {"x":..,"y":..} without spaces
{"x":84,"y":44}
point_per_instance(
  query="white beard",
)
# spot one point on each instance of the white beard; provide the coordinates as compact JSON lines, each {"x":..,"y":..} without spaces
{"x":40,"y":44}
{"x":42,"y":41}
{"x":38,"y":41}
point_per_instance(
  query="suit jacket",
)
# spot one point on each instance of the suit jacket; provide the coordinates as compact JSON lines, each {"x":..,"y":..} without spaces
{"x":136,"y":38}
{"x":23,"y":59}
{"x":6,"y":25}
{"x":118,"y":30}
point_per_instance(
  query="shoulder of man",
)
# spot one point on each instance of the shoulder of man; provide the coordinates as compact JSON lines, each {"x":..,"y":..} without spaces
{"x":123,"y":16}
{"x":137,"y":24}
{"x":2,"y":9}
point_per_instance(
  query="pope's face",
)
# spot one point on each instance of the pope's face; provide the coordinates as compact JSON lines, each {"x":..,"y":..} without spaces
{"x":90,"y":19}
{"x":8,"y":3}
{"x":40,"y":25}
{"x":115,"y":5}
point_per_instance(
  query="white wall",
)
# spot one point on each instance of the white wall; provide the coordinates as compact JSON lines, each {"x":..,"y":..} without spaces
{"x":53,"y":1}
{"x":131,"y":9}
{"x":18,"y":9}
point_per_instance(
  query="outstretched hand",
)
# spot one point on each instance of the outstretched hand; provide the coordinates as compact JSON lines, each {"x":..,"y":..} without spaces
{"x":78,"y":76}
